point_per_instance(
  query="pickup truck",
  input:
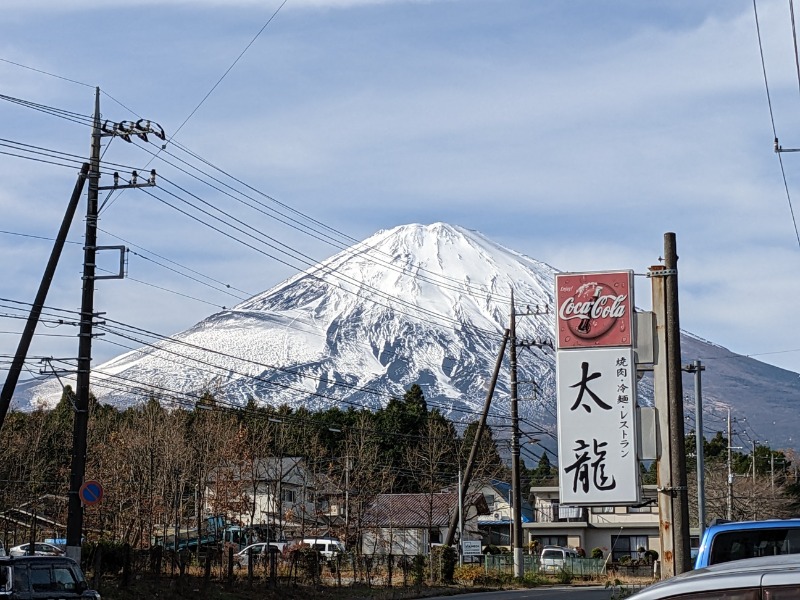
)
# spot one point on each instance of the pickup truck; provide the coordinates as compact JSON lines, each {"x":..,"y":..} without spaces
{"x":724,"y":541}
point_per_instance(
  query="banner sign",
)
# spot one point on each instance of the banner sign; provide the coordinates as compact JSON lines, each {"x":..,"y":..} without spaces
{"x":597,"y":453}
{"x":595,"y":310}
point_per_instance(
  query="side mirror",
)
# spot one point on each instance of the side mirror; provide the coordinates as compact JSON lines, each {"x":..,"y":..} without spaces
{"x":82,"y":586}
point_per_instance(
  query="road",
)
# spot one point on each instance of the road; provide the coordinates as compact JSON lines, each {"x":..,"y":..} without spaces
{"x":543,"y":593}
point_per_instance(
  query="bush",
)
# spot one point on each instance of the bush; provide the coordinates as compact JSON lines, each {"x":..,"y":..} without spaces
{"x":531,"y":579}
{"x":491,"y":549}
{"x":564,"y":576}
{"x":624,"y":560}
{"x":445,"y":558}
{"x":418,"y":569}
{"x":468,"y":574}
{"x":651,"y":556}
{"x":597,"y":553}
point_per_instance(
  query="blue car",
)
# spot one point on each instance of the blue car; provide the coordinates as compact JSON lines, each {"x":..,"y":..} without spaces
{"x":735,"y":540}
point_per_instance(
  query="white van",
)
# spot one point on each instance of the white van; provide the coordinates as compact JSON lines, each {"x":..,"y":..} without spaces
{"x":555,"y":558}
{"x":327,"y":547}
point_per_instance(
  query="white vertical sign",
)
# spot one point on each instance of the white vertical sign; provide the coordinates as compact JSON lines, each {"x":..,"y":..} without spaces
{"x":598,"y":458}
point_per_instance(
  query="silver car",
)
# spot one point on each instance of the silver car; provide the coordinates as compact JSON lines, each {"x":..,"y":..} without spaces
{"x":39,"y":549}
{"x":766,"y":577}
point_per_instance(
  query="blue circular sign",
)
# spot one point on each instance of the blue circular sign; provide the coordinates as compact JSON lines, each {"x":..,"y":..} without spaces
{"x":91,"y":492}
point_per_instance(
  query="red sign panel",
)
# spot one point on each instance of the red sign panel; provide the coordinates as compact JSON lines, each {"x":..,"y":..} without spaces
{"x":595,"y":310}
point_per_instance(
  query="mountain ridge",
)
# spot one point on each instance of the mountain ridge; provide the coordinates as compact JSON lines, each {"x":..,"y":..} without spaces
{"x":425,"y":304}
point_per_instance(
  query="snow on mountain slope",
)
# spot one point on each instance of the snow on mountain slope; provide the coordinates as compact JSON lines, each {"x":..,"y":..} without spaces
{"x":424,"y":304}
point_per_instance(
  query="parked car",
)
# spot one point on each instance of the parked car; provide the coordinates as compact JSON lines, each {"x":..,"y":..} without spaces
{"x":43,"y":578}
{"x":555,"y":558}
{"x":767,"y":577}
{"x":257,"y":551}
{"x":326,"y":546}
{"x":734,"y":540}
{"x":39,"y":549}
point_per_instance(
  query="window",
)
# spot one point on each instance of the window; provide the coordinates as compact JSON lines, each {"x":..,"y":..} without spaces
{"x":552,"y":540}
{"x":489,"y":500}
{"x":602,"y":510}
{"x":640,"y":509}
{"x":735,"y":594}
{"x":287,"y":496}
{"x":41,"y":581}
{"x":784,"y":592}
{"x":64,"y":579}
{"x":627,"y":545}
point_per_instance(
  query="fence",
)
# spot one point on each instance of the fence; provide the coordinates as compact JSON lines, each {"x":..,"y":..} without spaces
{"x":578,"y":567}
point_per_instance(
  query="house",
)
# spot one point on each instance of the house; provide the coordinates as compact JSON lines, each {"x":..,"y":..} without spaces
{"x":409,"y":524}
{"x":496,"y":526}
{"x":616,"y":530}
{"x":271,"y":494}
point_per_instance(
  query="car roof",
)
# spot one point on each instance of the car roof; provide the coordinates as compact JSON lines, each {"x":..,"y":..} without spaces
{"x":5,"y":560}
{"x":764,"y":524}
{"x":744,"y":573}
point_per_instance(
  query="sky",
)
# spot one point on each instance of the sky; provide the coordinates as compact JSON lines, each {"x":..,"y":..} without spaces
{"x":577,"y":133}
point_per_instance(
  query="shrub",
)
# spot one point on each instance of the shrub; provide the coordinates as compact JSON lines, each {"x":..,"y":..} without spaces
{"x":597,"y":553}
{"x":651,"y":556}
{"x":624,"y":560}
{"x":468,"y":574}
{"x":445,"y":558}
{"x":491,"y":549}
{"x":531,"y":579}
{"x":418,"y":569}
{"x":564,"y":576}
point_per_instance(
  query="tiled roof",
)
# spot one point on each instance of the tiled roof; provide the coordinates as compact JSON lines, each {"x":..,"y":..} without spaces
{"x":412,"y":510}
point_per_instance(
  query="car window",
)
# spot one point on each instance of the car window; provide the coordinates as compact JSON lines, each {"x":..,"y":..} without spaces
{"x":41,"y":581}
{"x":552,"y":554}
{"x":734,"y":545}
{"x":319,"y":547}
{"x":5,"y":579}
{"x":784,"y":592}
{"x":21,"y":583}
{"x":735,"y":594}
{"x":64,"y":579}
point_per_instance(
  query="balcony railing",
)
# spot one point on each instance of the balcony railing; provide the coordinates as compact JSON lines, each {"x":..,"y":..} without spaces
{"x":560,"y":514}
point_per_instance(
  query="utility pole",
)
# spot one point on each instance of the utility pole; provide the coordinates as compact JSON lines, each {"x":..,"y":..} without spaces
{"x":668,"y":387}
{"x":90,"y":248}
{"x":81,"y":420}
{"x":699,"y":440}
{"x":516,"y":495}
{"x":451,"y":530}
{"x":730,"y":472}
{"x":38,"y":304}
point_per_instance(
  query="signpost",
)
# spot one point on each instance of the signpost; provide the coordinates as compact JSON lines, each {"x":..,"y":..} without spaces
{"x":471,"y":547}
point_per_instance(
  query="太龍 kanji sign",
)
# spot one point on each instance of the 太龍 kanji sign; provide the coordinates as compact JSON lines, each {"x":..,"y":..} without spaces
{"x":595,"y":310}
{"x":597,"y":453}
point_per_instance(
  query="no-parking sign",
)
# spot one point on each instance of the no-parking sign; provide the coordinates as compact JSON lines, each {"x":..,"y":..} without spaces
{"x":91,"y":492}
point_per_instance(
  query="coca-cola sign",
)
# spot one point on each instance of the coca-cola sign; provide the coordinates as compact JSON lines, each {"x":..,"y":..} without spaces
{"x":594,"y":309}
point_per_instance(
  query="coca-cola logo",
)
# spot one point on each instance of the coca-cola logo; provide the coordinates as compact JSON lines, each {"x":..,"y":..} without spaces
{"x":590,"y":313}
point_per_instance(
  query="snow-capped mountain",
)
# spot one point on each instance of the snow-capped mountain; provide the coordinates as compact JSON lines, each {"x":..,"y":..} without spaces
{"x":424,"y":304}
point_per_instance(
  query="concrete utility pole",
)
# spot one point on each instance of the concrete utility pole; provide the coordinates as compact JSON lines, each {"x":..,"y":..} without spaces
{"x":79,"y":433}
{"x":451,"y":530}
{"x":680,"y":496}
{"x":38,"y":304}
{"x":668,"y":387}
{"x":516,"y":495}
{"x":699,"y":440}
{"x":730,"y":471}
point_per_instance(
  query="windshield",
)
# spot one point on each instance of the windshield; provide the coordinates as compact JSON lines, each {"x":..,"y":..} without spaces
{"x":749,"y":543}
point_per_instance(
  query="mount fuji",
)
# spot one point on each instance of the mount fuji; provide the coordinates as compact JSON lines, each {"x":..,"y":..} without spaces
{"x":424,"y":304}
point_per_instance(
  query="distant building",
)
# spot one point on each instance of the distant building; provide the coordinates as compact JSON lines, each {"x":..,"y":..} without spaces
{"x":496,"y":526}
{"x":617,"y":530}
{"x":409,"y":524}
